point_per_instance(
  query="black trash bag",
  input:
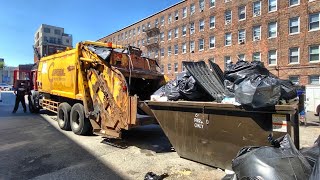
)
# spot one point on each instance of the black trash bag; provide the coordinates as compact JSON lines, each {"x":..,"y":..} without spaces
{"x":236,"y":73}
{"x":312,"y":153}
{"x":258,"y":91}
{"x":288,"y":90}
{"x":190,"y":90}
{"x":272,"y":163}
{"x":153,"y":176}
{"x":172,"y":90}
{"x":315,"y":175}
{"x":229,"y":86}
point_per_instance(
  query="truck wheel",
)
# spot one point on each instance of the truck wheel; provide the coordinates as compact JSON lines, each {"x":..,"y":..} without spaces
{"x":79,"y":123}
{"x":63,"y":116}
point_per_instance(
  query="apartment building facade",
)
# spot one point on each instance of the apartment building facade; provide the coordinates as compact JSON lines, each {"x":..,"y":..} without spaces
{"x":49,"y":39}
{"x":283,"y":34}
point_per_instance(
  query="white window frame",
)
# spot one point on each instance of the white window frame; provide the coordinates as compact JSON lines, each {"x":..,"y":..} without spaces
{"x":176,"y":49}
{"x":292,"y":5}
{"x":162,"y":52}
{"x":169,"y":67}
{"x":295,"y":76}
{"x":309,"y":55}
{"x":245,"y":13}
{"x":227,"y":59}
{"x":192,"y":46}
{"x":309,"y":79}
{"x":192,"y":28}
{"x":270,"y":29}
{"x":176,"y":32}
{"x":214,"y":22}
{"x":169,"y":34}
{"x":243,"y":39}
{"x":176,"y":67}
{"x":202,"y":5}
{"x":184,"y":48}
{"x":162,"y":37}
{"x":169,"y":50}
{"x":270,"y":11}
{"x":201,"y":24}
{"x":254,"y":38}
{"x":269,"y":58}
{"x":214,"y":42}
{"x":176,"y":15}
{"x":290,"y":50}
{"x":192,"y":9}
{"x":255,"y":54}
{"x":214,"y":3}
{"x":225,"y":39}
{"x":184,"y":28}
{"x":317,"y":29}
{"x":184,"y":12}
{"x":162,"y":21}
{"x":256,"y":14}
{"x":225,"y":17}
{"x":201,"y":42}
{"x":298,"y":25}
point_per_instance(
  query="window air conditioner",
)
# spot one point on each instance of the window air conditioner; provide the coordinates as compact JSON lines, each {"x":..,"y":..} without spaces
{"x":241,"y":41}
{"x":257,"y":14}
{"x":256,"y":38}
{"x":228,"y":21}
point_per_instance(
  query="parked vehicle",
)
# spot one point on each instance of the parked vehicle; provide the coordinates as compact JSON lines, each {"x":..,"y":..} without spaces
{"x":313,"y":99}
{"x":97,"y":87}
{"x":5,"y":87}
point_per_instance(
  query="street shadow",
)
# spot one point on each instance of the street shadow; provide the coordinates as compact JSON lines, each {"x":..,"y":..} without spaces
{"x":42,"y":152}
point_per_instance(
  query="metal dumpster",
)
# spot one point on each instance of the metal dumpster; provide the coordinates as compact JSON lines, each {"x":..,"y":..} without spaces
{"x":213,"y":133}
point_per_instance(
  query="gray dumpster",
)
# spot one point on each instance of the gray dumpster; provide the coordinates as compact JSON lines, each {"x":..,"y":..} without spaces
{"x":213,"y":133}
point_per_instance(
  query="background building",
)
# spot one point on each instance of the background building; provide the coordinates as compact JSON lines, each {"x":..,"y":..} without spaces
{"x":6,"y":74}
{"x":284,"y":34}
{"x":48,"y":39}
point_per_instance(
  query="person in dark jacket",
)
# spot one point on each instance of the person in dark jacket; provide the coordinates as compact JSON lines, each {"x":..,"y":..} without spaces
{"x":20,"y":93}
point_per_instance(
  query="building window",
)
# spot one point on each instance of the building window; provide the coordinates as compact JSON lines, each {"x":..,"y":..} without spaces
{"x":192,"y":30}
{"x":162,"y":52}
{"x":272,"y":5}
{"x":192,"y":46}
{"x":162,"y":36}
{"x":129,"y":33}
{"x":184,"y":48}
{"x":183,"y":68}
{"x":294,"y":79}
{"x":201,"y":5}
{"x":314,"y":53}
{"x":162,"y":68}
{"x":294,"y":2}
{"x":156,"y":23}
{"x":272,"y":30}
{"x":45,"y":39}
{"x":46,"y":30}
{"x":176,"y":67}
{"x":169,"y":34}
{"x":256,"y":8}
{"x":169,"y":18}
{"x":212,"y":42}
{"x":256,"y":33}
{"x":314,"y":80}
{"x":138,"y":43}
{"x":227,"y":60}
{"x":57,"y":31}
{"x":241,"y":57}
{"x":192,"y":9}
{"x":294,"y":25}
{"x":52,"y":40}
{"x":242,"y":36}
{"x":59,"y":41}
{"x":201,"y":25}
{"x":169,"y":68}
{"x":314,"y":21}
{"x":134,"y":32}
{"x":176,"y":49}
{"x":162,"y":20}
{"x":228,"y":16}
{"x":176,"y":32}
{"x":184,"y":30}
{"x":143,"y":28}
{"x":256,"y":56}
{"x":212,"y":3}
{"x":184,"y":12}
{"x":138,"y":29}
{"x":201,"y":44}
{"x":142,"y":42}
{"x":176,"y":15}
{"x":242,"y":12}
{"x":272,"y":57}
{"x":294,"y":55}
{"x":228,"y":39}
{"x":212,"y":22}
{"x":169,"y":51}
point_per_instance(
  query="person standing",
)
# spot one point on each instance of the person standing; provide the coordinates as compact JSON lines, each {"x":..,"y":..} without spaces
{"x":20,"y":93}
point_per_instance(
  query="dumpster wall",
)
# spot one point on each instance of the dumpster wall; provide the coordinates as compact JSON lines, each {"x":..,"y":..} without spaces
{"x":213,"y":133}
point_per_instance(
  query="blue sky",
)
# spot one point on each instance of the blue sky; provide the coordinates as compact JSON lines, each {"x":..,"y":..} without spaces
{"x":85,"y":20}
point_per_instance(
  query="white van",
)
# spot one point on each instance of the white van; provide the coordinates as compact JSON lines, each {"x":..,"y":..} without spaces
{"x":313,"y":98}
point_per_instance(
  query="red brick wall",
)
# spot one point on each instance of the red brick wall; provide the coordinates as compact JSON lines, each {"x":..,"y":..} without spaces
{"x":282,"y":43}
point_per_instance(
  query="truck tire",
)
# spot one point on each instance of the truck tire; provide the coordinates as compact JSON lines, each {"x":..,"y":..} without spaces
{"x":63,"y":116}
{"x":79,"y":123}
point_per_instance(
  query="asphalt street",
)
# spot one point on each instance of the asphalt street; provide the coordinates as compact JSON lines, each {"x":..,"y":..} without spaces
{"x":31,"y":148}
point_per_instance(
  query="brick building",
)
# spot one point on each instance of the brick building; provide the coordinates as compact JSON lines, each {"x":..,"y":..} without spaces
{"x":284,"y":34}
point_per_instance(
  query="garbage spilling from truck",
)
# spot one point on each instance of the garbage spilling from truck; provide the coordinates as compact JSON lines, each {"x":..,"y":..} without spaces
{"x":244,"y":83}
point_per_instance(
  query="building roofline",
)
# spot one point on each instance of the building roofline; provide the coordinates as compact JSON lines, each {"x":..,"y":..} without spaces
{"x":145,"y":18}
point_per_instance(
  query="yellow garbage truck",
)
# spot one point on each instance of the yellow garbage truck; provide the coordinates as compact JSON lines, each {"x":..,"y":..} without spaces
{"x":97,"y":87}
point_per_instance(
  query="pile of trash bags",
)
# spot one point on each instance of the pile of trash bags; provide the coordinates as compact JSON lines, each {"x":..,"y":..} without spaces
{"x":253,"y":86}
{"x":244,"y":83}
{"x":280,"y":161}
